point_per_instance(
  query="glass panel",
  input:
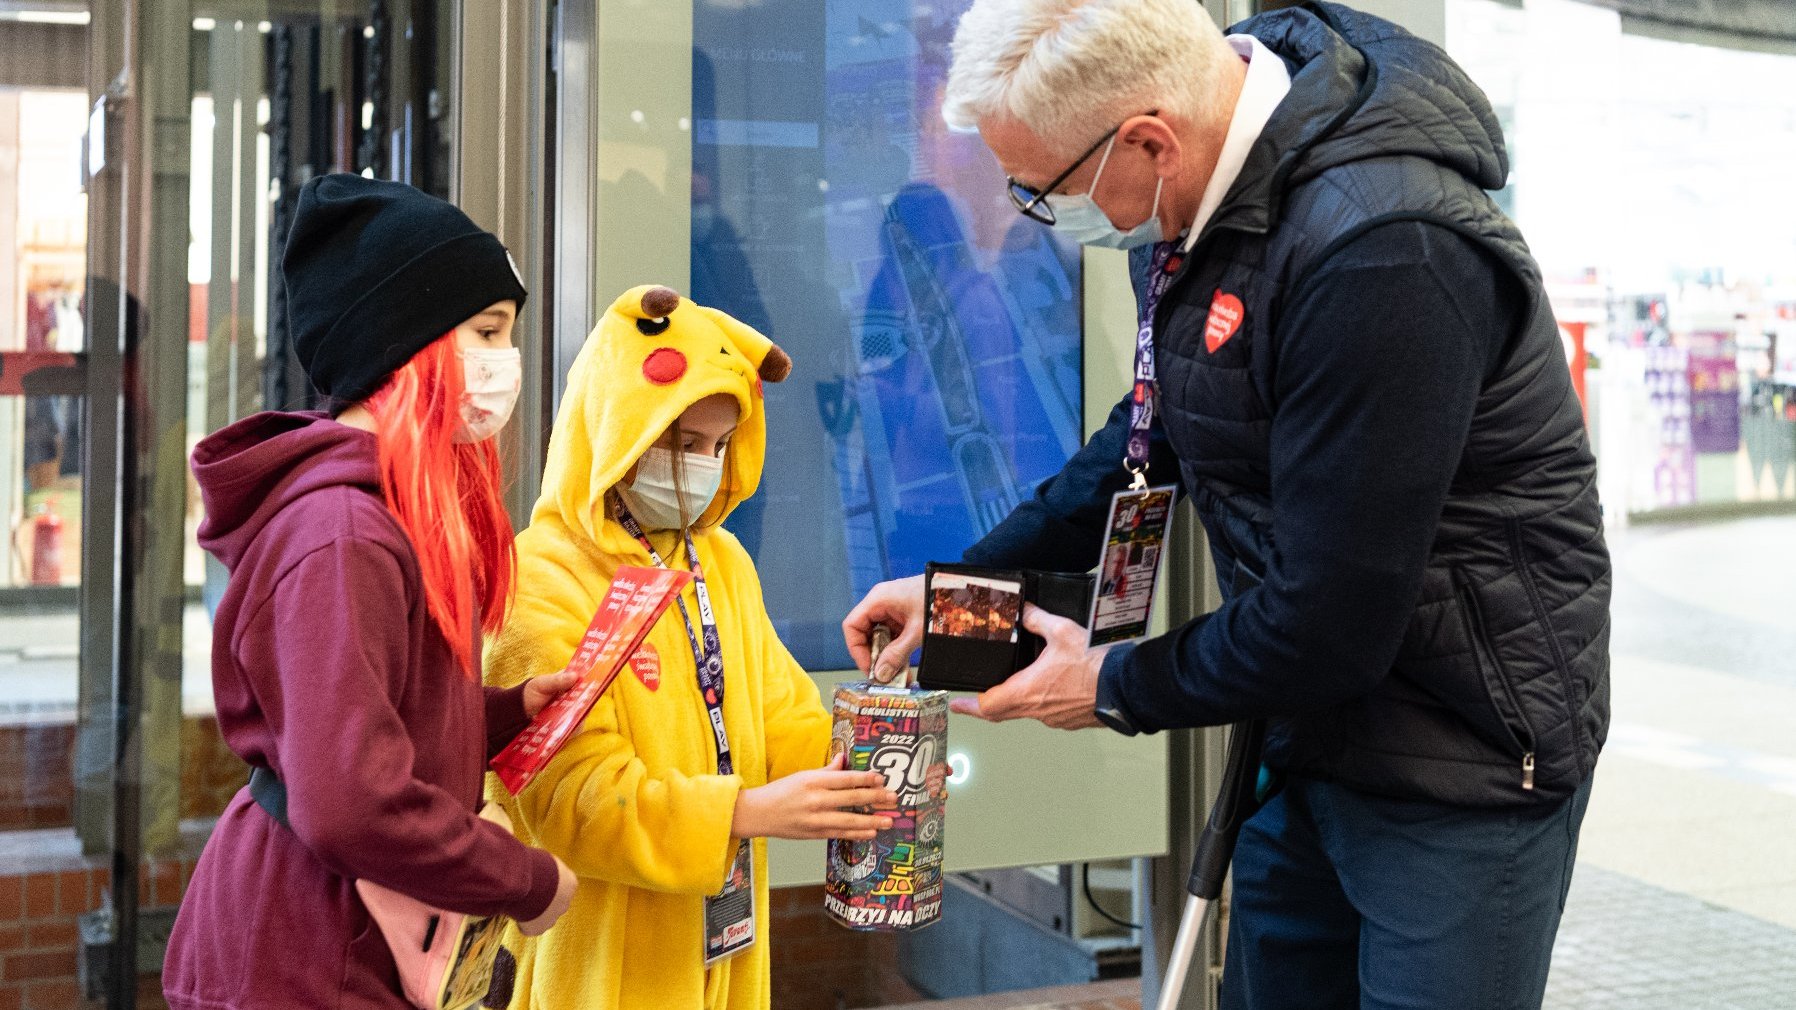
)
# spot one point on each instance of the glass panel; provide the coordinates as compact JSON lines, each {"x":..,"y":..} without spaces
{"x":353,"y":87}
{"x":1676,"y":285}
{"x":1651,"y":180}
{"x":936,"y":332}
{"x":43,"y":236}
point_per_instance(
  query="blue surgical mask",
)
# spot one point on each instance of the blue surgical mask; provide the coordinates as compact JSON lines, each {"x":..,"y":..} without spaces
{"x":1082,"y":220}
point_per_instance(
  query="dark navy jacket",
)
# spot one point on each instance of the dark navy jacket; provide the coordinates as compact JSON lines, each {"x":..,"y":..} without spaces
{"x":1387,"y":454}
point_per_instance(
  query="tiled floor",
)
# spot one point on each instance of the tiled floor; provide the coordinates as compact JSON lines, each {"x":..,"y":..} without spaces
{"x":1625,"y":945}
{"x":1119,"y":995}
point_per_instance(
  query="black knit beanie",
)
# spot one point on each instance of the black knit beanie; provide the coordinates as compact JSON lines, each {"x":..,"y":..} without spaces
{"x":376,"y":271}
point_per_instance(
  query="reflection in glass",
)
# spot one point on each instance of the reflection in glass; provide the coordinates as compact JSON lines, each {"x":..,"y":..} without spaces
{"x":935,"y":332}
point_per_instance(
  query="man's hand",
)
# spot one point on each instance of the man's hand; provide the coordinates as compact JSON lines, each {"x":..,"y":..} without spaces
{"x":899,"y":606}
{"x":1060,"y":689}
{"x":539,"y":691}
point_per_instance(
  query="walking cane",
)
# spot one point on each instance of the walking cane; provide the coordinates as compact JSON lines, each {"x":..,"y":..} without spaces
{"x":1235,"y":803}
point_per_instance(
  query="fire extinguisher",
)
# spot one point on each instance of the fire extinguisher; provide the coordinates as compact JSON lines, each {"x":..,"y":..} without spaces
{"x":46,"y":547}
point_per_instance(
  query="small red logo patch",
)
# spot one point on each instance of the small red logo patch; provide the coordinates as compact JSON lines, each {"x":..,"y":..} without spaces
{"x":665,"y":366}
{"x":1226,"y":314}
{"x":646,"y":664}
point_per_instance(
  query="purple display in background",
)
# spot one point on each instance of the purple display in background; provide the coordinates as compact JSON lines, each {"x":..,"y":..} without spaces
{"x":1668,"y":390}
{"x":1714,"y":392}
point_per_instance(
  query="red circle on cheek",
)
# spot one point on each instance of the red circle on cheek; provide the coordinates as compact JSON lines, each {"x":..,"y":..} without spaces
{"x":664,"y":366}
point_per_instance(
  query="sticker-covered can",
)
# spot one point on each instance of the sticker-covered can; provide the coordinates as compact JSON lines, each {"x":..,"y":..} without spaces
{"x":894,"y":882}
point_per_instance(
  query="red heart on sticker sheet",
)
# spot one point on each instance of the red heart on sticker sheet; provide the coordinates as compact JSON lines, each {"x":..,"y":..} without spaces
{"x":646,"y":664}
{"x":1226,"y":314}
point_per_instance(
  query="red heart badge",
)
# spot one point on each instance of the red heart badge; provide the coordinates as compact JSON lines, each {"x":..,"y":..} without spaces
{"x":646,"y":664}
{"x":1226,"y":314}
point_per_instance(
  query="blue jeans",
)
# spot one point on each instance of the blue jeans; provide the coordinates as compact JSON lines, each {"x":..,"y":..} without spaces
{"x":1345,"y":900}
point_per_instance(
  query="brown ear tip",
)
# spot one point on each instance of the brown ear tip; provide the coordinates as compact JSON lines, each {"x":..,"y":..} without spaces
{"x":776,"y":365}
{"x":659,"y":302}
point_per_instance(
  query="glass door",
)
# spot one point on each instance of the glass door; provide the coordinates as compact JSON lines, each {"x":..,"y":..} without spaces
{"x":150,"y":157}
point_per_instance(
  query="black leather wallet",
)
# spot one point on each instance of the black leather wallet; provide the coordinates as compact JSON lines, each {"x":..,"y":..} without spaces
{"x":973,"y":635}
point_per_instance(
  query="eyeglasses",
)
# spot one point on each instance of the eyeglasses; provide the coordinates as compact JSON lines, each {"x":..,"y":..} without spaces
{"x":1033,"y":203}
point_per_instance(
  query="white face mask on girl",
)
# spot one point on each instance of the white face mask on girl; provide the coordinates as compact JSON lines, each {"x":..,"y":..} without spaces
{"x":653,"y":499}
{"x":491,"y":379}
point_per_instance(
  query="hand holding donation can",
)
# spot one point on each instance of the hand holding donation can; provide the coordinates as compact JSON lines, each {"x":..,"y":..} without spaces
{"x":893,"y":882}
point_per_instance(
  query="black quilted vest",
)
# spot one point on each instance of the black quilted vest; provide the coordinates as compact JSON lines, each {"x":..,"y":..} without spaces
{"x":1500,"y":692}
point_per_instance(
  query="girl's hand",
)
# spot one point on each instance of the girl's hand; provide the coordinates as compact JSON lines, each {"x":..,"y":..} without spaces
{"x":937,"y":780}
{"x":811,"y":805}
{"x":539,"y":691}
{"x":565,"y":886}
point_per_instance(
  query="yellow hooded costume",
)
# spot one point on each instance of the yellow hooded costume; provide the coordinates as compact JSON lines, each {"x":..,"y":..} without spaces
{"x":634,"y":804}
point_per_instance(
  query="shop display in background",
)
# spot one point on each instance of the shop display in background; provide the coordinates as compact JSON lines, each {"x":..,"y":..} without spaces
{"x":1668,"y":392}
{"x":1706,"y":390}
{"x":1768,"y":419}
{"x":1576,"y":354}
{"x":1714,"y":392}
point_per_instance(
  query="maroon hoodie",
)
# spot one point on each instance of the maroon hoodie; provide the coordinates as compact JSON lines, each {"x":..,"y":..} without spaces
{"x":328,"y":671}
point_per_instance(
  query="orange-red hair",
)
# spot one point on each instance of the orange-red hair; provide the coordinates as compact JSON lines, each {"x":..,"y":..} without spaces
{"x":446,"y":497}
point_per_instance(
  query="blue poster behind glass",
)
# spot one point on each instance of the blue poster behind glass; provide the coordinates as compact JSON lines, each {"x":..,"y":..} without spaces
{"x":935,"y":332}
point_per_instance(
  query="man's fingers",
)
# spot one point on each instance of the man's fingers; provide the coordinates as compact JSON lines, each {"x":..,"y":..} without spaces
{"x":1049,"y":626}
{"x":857,"y":631}
{"x":966,"y":706}
{"x":857,"y":627}
{"x":897,"y":605}
{"x":897,"y":655}
{"x":994,"y":705}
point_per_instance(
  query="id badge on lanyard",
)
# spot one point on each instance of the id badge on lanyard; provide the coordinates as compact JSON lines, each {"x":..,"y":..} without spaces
{"x":730,"y":913}
{"x":1135,"y":531}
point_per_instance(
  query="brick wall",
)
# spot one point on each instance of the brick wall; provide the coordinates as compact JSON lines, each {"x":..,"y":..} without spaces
{"x":45,"y":886}
{"x":37,"y":779}
{"x":818,"y":965}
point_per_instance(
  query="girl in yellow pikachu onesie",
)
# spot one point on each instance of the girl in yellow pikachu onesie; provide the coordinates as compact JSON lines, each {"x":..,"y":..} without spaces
{"x":663,"y":422}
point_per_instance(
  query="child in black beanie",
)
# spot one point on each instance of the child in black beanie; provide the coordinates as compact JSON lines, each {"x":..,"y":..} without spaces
{"x":368,"y":547}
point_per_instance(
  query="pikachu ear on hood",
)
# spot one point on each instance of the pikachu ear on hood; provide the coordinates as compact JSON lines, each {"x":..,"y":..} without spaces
{"x":770,"y":361}
{"x":649,"y":304}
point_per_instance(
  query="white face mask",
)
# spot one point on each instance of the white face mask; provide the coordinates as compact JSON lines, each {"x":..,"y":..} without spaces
{"x":491,"y":380}
{"x":1082,"y":220}
{"x":652,"y":497}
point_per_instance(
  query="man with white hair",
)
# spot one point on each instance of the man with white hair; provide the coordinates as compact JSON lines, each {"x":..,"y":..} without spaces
{"x":1348,"y":365}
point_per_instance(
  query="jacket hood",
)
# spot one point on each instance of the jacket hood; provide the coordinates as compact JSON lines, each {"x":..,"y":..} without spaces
{"x":1361,"y":87}
{"x":652,"y":355}
{"x":250,"y":470}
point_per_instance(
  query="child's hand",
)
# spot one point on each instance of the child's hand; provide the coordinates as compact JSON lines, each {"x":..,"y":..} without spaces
{"x":811,"y":805}
{"x":937,"y":780}
{"x":539,"y":691}
{"x":566,"y":884}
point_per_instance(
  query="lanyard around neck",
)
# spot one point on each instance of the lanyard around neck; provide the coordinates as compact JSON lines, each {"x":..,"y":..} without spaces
{"x":707,"y":646}
{"x":1166,"y":262}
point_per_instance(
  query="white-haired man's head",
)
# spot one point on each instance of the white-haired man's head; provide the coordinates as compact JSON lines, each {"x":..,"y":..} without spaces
{"x":1070,"y":69}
